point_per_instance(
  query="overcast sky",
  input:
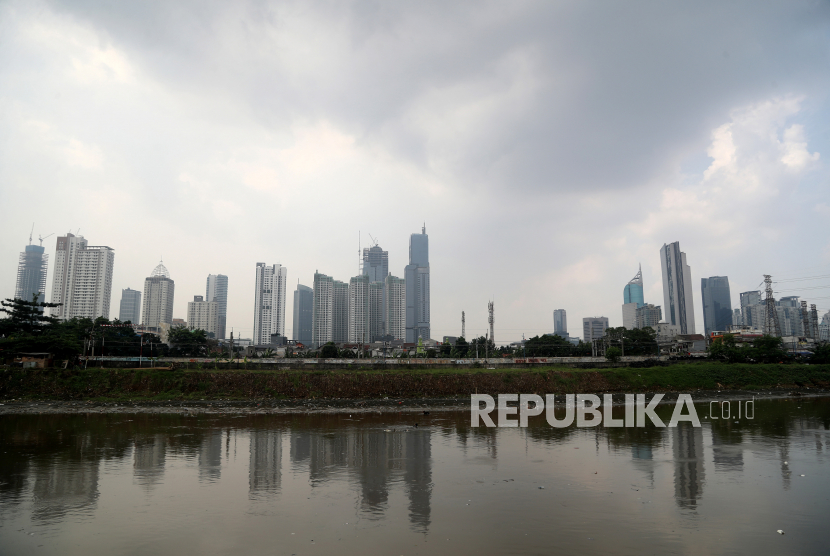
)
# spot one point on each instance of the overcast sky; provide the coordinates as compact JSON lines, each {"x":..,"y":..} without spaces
{"x":550,"y":147}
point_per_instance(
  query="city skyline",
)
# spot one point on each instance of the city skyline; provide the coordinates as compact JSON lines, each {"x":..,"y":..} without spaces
{"x":547,"y":150}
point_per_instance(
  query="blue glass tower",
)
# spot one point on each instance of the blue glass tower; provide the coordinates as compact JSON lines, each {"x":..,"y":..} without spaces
{"x":633,"y":292}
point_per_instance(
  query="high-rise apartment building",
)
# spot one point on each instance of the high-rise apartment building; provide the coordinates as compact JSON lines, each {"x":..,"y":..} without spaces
{"x":376,"y":311}
{"x":395,"y":306}
{"x":416,"y":275}
{"x":375,"y":263}
{"x":560,"y":321}
{"x":717,"y":304}
{"x":303,"y":314}
{"x":217,"y":290}
{"x":648,"y":316}
{"x":340,"y":312}
{"x":737,"y":317}
{"x":749,"y":309}
{"x":130,"y":308}
{"x":203,"y":315}
{"x":159,"y":291}
{"x":31,"y":273}
{"x":677,"y":288}
{"x":359,"y":320}
{"x":269,"y":296}
{"x":594,"y":328}
{"x":82,"y":282}
{"x":322,"y":310}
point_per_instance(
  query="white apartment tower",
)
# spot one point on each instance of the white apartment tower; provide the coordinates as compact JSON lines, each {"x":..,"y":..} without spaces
{"x":395,"y":307}
{"x":203,"y":315}
{"x":677,"y":288}
{"x":82,"y":282}
{"x":359,"y":321}
{"x":322,"y":310}
{"x":340,"y":312}
{"x":159,"y":290}
{"x":269,"y":312}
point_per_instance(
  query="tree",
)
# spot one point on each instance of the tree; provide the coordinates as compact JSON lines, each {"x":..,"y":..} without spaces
{"x":768,"y":349}
{"x":821,"y":354}
{"x":613,"y":354}
{"x":725,"y":349}
{"x":25,"y":317}
{"x":186,"y":343}
{"x":328,"y":351}
{"x":547,"y":345}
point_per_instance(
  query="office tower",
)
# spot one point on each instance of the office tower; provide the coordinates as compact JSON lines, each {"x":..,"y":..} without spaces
{"x":560,"y":322}
{"x":322,"y":310}
{"x":203,"y":315}
{"x":217,"y":290}
{"x":594,"y":328}
{"x":395,"y":307}
{"x":269,"y":311}
{"x":717,"y":304}
{"x":82,"y":282}
{"x":375,"y":263}
{"x":130,"y":308}
{"x":359,"y":310}
{"x":376,"y":316}
{"x":737,"y":318}
{"x":416,"y":275}
{"x":749,"y":309}
{"x":340,"y":312}
{"x":648,"y":316}
{"x":303,"y":314}
{"x":159,"y":291}
{"x":632,"y":300}
{"x":31,"y":273}
{"x":677,"y":288}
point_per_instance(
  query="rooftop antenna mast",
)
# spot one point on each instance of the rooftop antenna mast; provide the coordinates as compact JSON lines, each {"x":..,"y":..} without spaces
{"x":463,"y":326}
{"x":490,"y":320}
{"x":771,"y":325}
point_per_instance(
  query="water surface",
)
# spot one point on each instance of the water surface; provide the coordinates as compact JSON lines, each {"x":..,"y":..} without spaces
{"x":368,"y":483}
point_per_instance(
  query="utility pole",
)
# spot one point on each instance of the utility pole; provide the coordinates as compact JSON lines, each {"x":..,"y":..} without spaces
{"x":463,"y":326}
{"x":771,"y":321}
{"x":490,"y":320}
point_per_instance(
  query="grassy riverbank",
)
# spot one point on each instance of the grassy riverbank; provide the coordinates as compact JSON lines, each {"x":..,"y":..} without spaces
{"x":158,"y":384}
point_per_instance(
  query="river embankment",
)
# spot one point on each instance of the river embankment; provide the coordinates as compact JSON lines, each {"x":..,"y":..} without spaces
{"x":346,"y":386}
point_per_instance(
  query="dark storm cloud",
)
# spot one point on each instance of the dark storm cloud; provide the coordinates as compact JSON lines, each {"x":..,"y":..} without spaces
{"x":595,"y":95}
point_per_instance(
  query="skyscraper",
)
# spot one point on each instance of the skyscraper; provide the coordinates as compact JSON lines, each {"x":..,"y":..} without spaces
{"x":159,"y":291}
{"x":359,"y":310}
{"x":375,"y":263}
{"x":303,"y":314}
{"x":717,"y":303}
{"x":31,"y":273}
{"x":560,"y":322}
{"x":323,"y":310}
{"x":632,"y":300}
{"x":677,"y":288}
{"x":593,"y":328}
{"x":648,"y":316}
{"x":395,"y":307}
{"x":751,"y":309}
{"x":376,"y":312}
{"x":340,"y":312}
{"x":203,"y":315}
{"x":416,"y":275}
{"x":269,"y":296}
{"x":82,"y":282}
{"x":130,"y":308}
{"x":217,"y":290}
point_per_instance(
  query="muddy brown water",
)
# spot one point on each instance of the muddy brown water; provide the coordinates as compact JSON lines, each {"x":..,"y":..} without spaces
{"x":367,"y":483}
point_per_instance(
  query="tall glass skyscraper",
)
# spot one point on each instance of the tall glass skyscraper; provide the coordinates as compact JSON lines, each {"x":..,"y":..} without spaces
{"x":303,"y":314}
{"x":633,"y":291}
{"x":130,"y":308}
{"x":217,"y":290}
{"x":416,"y":275}
{"x":717,"y":303}
{"x":677,"y":288}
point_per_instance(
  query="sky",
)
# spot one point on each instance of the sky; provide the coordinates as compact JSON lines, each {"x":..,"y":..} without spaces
{"x":548,"y":147}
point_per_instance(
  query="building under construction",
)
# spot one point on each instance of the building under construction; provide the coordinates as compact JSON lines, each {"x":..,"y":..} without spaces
{"x":31,"y":273}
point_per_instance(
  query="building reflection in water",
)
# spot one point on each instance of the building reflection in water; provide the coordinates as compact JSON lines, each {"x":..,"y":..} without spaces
{"x":375,"y":459}
{"x":727,"y":451}
{"x":210,"y":456}
{"x":265,"y":464}
{"x":66,"y":484}
{"x":148,"y":459}
{"x":687,"y":446}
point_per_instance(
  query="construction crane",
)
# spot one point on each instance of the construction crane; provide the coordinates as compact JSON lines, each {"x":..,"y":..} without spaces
{"x":30,"y":233}
{"x":41,"y":238}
